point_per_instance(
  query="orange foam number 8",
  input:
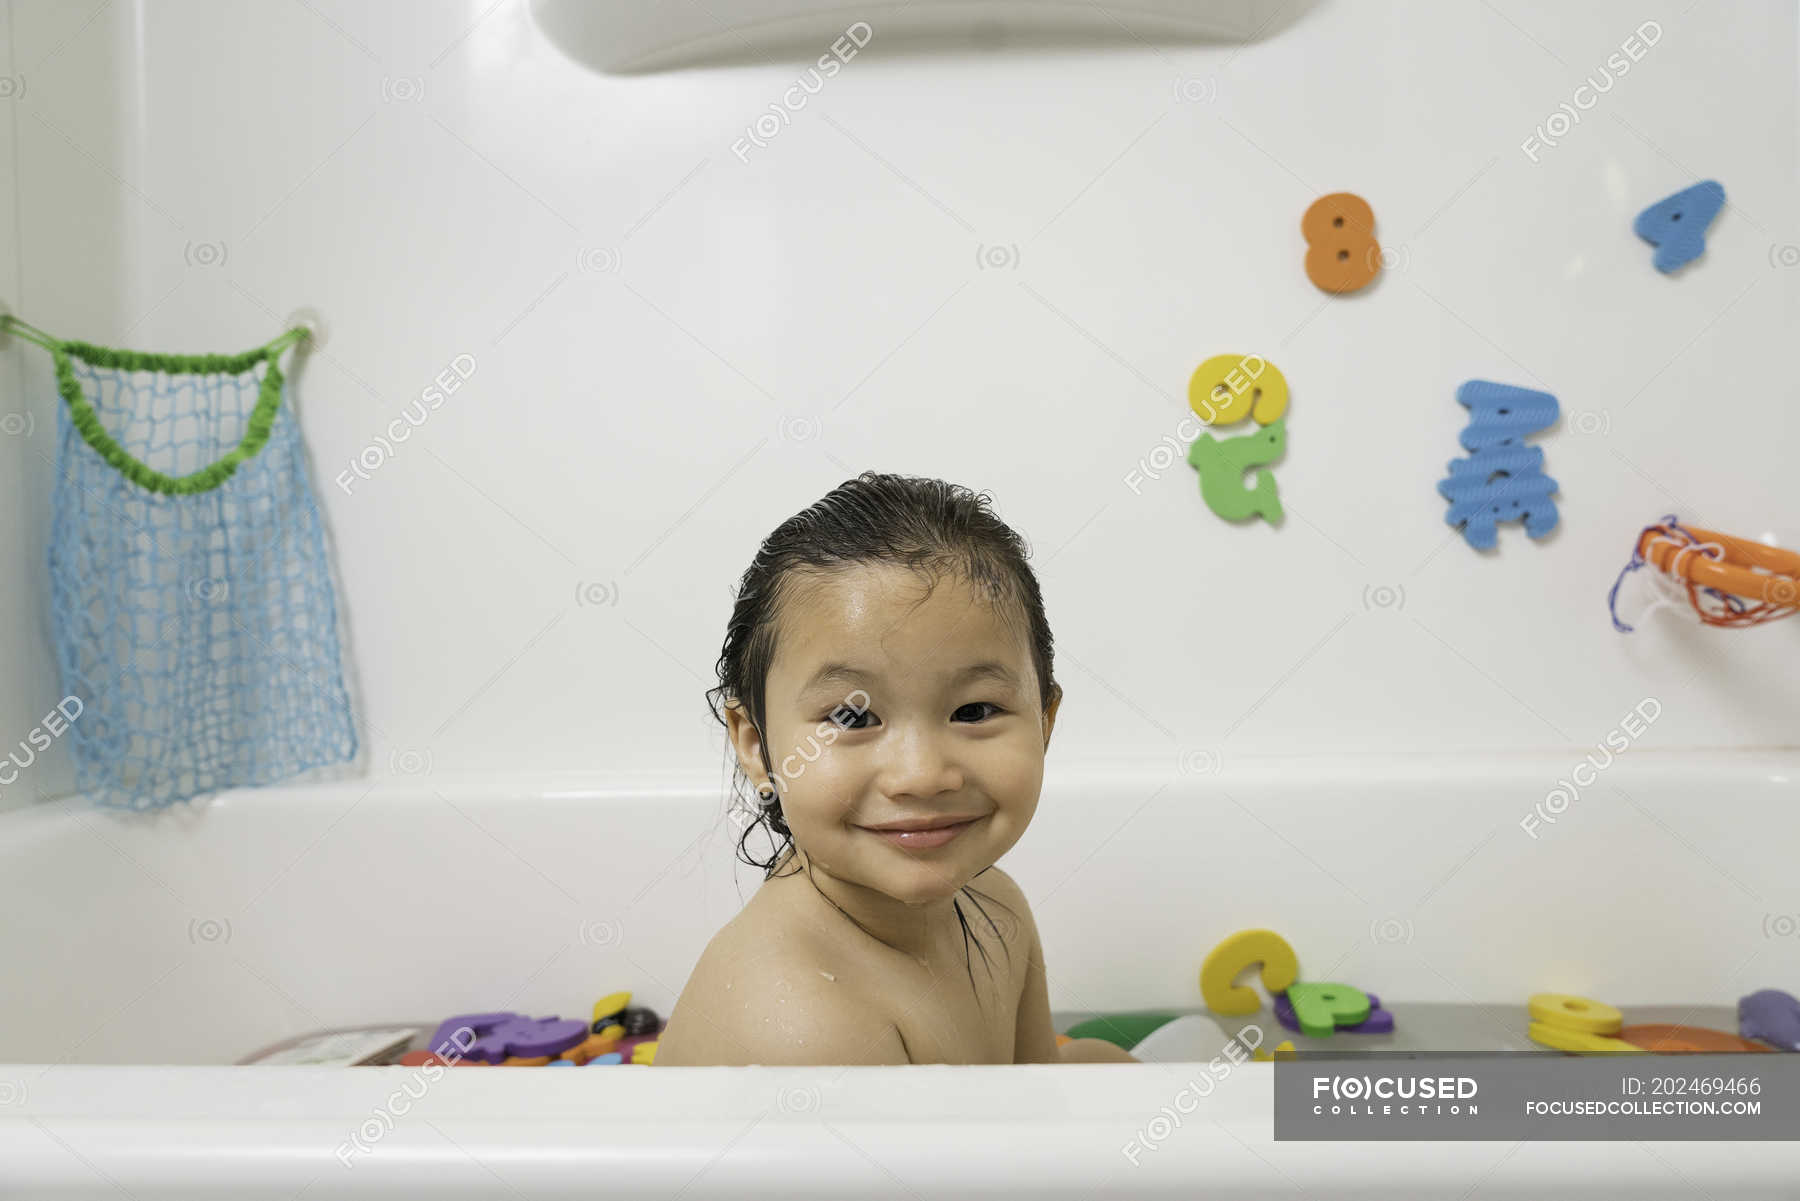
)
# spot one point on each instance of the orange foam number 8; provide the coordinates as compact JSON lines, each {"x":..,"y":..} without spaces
{"x":1341,"y":252}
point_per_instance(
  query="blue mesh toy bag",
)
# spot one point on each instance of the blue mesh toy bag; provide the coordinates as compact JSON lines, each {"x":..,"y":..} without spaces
{"x":191,"y":596}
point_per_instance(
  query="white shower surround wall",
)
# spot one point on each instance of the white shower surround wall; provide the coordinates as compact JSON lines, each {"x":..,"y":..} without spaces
{"x":967,"y":258}
{"x":207,"y":933}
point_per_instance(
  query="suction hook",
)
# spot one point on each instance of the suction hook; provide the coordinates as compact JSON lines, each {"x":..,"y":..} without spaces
{"x":317,"y":332}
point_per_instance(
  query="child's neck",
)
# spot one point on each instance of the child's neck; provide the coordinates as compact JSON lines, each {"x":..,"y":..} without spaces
{"x":913,"y":930}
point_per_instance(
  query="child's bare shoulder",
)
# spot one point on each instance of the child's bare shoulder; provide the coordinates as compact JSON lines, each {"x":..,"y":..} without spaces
{"x":996,"y":881}
{"x":1003,"y":888}
{"x":762,"y":994}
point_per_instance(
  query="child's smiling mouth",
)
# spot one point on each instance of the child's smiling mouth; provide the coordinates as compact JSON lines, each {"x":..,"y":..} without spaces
{"x":924,"y":833}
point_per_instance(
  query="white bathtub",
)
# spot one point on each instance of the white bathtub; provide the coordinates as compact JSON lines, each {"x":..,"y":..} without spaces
{"x":144,"y":953}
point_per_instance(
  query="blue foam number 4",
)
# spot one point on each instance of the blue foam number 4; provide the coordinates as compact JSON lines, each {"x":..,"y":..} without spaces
{"x":1676,"y":225}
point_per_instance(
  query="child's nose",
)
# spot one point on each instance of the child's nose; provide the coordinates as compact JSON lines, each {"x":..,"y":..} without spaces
{"x":918,"y":763}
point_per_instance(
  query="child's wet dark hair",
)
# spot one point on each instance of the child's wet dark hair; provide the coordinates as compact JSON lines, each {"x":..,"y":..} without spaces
{"x":928,"y":526}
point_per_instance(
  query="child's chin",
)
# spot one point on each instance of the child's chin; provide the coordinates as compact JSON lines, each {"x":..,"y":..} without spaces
{"x":921,"y":885}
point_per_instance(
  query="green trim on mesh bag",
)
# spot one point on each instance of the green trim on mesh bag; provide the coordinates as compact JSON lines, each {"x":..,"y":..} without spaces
{"x":87,"y":421}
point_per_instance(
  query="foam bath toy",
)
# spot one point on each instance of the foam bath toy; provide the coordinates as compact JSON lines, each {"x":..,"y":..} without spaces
{"x":1229,"y":387}
{"x":616,"y":1010}
{"x":1581,"y":1042}
{"x":1123,"y":1030}
{"x":1577,"y":1024}
{"x":1222,"y":465}
{"x":1341,"y":252}
{"x":1246,"y":948}
{"x":1575,"y":1013}
{"x":608,"y":1008}
{"x":1772,"y":1016}
{"x":1503,"y":479}
{"x":589,"y":1047}
{"x":631,"y":1041}
{"x":1676,"y":225}
{"x":1320,"y":1008}
{"x":509,"y":1036}
{"x":446,"y":1039}
{"x":1378,"y":1021}
{"x":1664,"y":1039}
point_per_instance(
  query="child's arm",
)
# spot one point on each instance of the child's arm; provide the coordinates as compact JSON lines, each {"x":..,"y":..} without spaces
{"x":779,"y":1011}
{"x":1034,"y":1039}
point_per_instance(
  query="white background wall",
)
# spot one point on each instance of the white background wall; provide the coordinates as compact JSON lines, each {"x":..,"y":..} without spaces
{"x":677,"y":348}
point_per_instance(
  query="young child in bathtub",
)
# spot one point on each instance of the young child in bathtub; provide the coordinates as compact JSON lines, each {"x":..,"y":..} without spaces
{"x":886,"y":686}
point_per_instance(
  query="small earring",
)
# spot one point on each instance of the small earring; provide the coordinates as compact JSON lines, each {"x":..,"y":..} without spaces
{"x":766,"y":792}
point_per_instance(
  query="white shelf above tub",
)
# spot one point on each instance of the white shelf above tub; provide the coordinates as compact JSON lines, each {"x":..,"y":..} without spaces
{"x":644,"y":35}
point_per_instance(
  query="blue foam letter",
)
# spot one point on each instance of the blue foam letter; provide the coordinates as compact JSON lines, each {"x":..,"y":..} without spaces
{"x":1503,"y":480}
{"x":1676,"y":225}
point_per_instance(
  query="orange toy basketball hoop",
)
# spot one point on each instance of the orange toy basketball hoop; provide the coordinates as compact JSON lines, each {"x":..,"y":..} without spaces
{"x":1726,"y":581}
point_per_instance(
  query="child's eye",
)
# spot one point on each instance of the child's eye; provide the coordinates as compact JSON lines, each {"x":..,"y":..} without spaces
{"x":978,"y":705}
{"x":847,"y":718}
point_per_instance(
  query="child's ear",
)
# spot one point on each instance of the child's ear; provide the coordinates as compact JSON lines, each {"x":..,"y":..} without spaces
{"x":1056,"y":695}
{"x":746,"y":741}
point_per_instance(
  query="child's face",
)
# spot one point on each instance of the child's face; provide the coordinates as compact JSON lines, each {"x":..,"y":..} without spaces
{"x":920,"y":735}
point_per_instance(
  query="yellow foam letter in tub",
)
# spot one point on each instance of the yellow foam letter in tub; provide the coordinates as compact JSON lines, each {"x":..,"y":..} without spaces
{"x":1246,"y":948}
